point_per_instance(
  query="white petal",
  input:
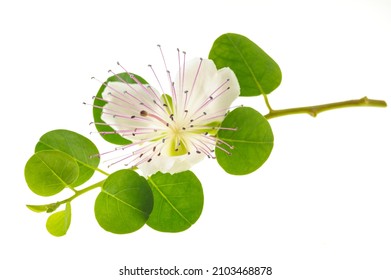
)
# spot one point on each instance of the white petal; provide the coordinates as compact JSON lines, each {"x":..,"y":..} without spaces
{"x":171,"y":165}
{"x":124,"y":107}
{"x":202,"y":80}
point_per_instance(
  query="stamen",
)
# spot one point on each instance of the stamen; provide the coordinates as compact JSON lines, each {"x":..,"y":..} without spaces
{"x":179,"y":71}
{"x":203,"y":115}
{"x":218,"y":115}
{"x":129,"y":117}
{"x":215,"y":117}
{"x":164,"y":60}
{"x":138,"y":82}
{"x":162,"y":90}
{"x":181,"y":78}
{"x":133,"y":132}
{"x":159,"y":119}
{"x":121,"y":79}
{"x":148,"y":89}
{"x":203,"y":144}
{"x":103,"y":124}
{"x":196,"y":127}
{"x":132,"y":105}
{"x":102,"y":107}
{"x":200,"y":150}
{"x":157,"y":79}
{"x":118,"y":161}
{"x":92,"y":105}
{"x":183,"y":75}
{"x":106,"y":85}
{"x":115,"y":103}
{"x":169,"y":80}
{"x":212,"y":140}
{"x":224,"y":150}
{"x":211,"y":98}
{"x":122,"y":148}
{"x":160,"y":104}
{"x":140,"y":103}
{"x":148,"y":157}
{"x":226,"y":81}
{"x":174,"y":97}
{"x":194,"y":82}
{"x":143,"y":150}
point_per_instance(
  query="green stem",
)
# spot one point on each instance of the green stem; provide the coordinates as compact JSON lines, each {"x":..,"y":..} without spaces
{"x":316,"y":109}
{"x":267,"y":102}
{"x":101,"y":171}
{"x":53,"y":206}
{"x":82,"y":191}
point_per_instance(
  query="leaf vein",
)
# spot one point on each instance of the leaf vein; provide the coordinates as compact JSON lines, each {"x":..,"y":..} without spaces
{"x":246,"y":63}
{"x":54,"y":173}
{"x":123,"y":202}
{"x":76,"y":159}
{"x":168,"y":201}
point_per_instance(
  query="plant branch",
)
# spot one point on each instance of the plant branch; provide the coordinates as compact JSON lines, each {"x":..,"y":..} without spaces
{"x":102,"y":172}
{"x":316,"y":109}
{"x":53,"y":206}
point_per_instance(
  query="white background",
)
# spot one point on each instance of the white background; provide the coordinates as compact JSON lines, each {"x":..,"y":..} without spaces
{"x":318,"y":209}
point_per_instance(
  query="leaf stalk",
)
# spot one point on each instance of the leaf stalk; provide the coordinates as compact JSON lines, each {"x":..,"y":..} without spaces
{"x":51,"y":207}
{"x":317,"y":109}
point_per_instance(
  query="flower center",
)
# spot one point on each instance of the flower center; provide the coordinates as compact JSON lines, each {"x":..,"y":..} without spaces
{"x":177,"y":137}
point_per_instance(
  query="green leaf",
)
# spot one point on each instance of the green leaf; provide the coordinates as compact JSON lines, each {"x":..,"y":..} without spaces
{"x":48,"y":208}
{"x":37,"y":208}
{"x":58,"y":223}
{"x":125,"y":202}
{"x":49,"y":172}
{"x":97,"y":111}
{"x":256,"y":71}
{"x":75,"y":145}
{"x":178,"y":201}
{"x":252,"y":141}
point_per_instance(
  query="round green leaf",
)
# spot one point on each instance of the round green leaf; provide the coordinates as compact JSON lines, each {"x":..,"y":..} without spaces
{"x":101,"y":125}
{"x":178,"y":201}
{"x":125,"y":202}
{"x":49,"y":172}
{"x":251,"y":142}
{"x":256,"y":71}
{"x":58,"y":223}
{"x":75,"y":145}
